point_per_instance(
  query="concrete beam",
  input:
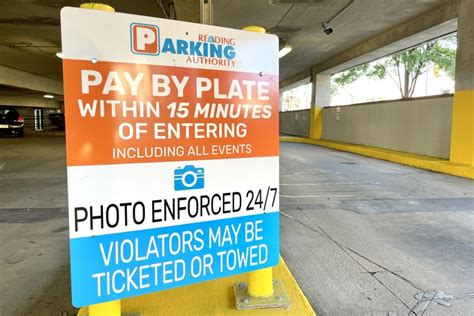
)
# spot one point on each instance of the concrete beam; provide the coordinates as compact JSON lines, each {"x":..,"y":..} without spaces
{"x":302,"y":76}
{"x":424,"y":27}
{"x":435,"y":23}
{"x":29,"y":102}
{"x":21,"y":79}
{"x":296,"y":84}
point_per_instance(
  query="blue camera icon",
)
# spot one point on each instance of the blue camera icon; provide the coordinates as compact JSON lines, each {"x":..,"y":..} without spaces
{"x":188,"y":178}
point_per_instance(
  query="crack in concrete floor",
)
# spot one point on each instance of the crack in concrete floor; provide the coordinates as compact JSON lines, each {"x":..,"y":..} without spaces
{"x":425,"y":298}
{"x":410,"y":203}
{"x":347,"y":250}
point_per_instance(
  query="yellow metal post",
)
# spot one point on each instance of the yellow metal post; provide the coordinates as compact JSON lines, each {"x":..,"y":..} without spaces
{"x":315,"y":122}
{"x":112,"y":308}
{"x":97,"y":6}
{"x":253,"y":28}
{"x":260,"y":282}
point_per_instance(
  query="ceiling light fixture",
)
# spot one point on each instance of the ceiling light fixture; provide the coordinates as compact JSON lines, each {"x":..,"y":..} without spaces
{"x":48,"y":96}
{"x":285,"y":51}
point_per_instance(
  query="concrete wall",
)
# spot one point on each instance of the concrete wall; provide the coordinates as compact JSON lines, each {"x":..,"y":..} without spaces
{"x":420,"y":126}
{"x":295,"y":123}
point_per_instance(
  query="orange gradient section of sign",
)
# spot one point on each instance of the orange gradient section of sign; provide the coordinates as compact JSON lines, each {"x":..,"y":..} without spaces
{"x":91,"y":140}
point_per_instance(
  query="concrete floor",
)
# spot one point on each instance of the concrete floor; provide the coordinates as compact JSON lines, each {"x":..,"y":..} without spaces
{"x":361,"y":236}
{"x":34,"y":253}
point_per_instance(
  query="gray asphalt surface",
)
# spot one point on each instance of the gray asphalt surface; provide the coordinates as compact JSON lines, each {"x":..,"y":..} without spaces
{"x":361,"y":236}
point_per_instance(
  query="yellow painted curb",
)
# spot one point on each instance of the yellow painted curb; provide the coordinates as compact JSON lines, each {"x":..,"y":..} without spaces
{"x":213,"y":298}
{"x":423,"y":162}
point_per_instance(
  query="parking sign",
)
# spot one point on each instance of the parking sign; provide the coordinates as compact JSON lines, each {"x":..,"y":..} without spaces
{"x":172,"y":152}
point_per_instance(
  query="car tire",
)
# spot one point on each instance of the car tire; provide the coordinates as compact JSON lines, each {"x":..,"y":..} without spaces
{"x":21,"y":133}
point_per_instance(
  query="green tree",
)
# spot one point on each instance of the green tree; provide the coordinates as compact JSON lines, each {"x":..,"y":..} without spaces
{"x":405,"y":67}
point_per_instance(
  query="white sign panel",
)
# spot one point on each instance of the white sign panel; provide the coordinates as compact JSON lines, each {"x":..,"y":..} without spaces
{"x":172,"y":152}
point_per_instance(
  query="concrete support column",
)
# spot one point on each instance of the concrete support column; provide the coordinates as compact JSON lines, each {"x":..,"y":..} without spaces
{"x":321,"y":94}
{"x":462,"y":130}
{"x":206,"y":12}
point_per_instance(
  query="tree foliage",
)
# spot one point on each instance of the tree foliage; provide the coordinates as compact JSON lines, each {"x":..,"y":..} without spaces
{"x":405,"y":67}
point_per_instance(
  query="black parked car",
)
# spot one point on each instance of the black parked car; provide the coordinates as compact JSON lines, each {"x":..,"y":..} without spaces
{"x":11,"y":122}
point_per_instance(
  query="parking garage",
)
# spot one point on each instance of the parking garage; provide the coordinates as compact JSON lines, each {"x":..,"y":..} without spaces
{"x":376,"y":199}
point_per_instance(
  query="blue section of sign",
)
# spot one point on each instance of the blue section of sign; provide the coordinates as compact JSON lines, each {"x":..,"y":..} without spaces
{"x":109,"y":267}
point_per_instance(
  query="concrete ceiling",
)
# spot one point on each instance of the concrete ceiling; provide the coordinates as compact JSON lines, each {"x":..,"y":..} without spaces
{"x":30,"y":36}
{"x":14,"y":92}
{"x":300,"y":23}
{"x":30,"y":30}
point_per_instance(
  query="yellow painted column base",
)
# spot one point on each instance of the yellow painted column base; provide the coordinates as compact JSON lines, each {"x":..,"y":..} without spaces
{"x":315,"y":123}
{"x":462,"y":129}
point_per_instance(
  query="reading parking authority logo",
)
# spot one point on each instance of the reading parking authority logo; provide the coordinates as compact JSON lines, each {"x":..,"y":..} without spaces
{"x":144,"y":39}
{"x":188,"y":178}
